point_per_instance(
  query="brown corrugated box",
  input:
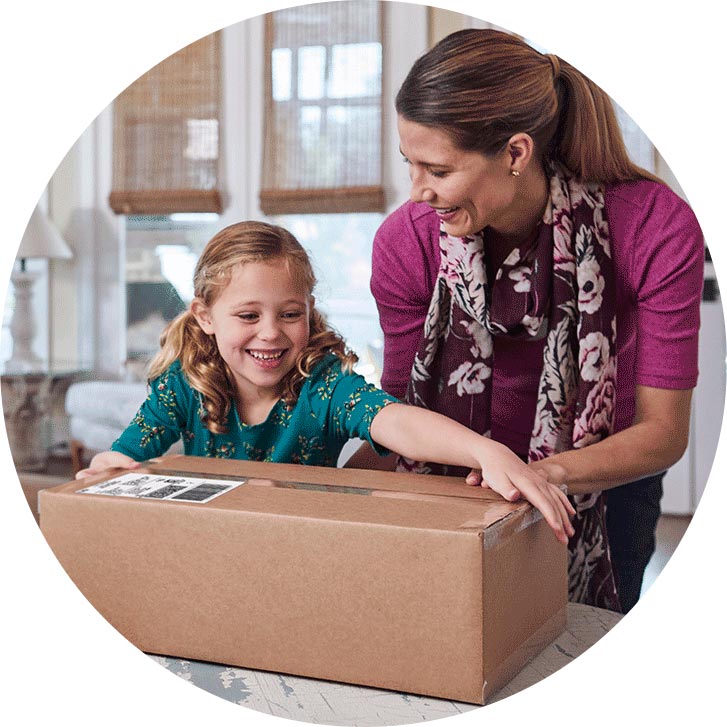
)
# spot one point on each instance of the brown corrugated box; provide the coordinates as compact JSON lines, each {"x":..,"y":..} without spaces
{"x":412,"y":583}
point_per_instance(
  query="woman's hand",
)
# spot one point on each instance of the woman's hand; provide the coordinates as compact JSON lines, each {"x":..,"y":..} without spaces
{"x":552,"y":471}
{"x":105,"y":461}
{"x":504,"y":472}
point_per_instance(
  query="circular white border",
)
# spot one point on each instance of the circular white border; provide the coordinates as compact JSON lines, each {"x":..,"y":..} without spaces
{"x":64,"y":62}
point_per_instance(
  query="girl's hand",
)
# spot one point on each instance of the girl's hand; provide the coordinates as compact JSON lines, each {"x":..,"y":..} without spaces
{"x":504,"y":472}
{"x":105,"y":461}
{"x":552,"y":472}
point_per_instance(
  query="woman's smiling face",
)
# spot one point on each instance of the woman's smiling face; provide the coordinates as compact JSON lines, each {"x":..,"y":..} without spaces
{"x":468,"y":190}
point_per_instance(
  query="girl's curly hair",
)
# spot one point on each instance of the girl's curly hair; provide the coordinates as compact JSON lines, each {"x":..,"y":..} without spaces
{"x":197,"y":352}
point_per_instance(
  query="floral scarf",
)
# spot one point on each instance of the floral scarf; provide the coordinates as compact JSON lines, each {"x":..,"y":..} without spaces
{"x":561,"y":288}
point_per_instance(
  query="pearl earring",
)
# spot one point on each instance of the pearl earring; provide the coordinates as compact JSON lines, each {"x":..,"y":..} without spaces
{"x":515,"y":173}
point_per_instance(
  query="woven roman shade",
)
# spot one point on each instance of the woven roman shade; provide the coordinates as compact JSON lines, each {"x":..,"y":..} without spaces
{"x":323,"y":112}
{"x":166,"y":148}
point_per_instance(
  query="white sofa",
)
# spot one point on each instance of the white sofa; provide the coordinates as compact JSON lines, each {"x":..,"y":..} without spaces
{"x":98,"y":411}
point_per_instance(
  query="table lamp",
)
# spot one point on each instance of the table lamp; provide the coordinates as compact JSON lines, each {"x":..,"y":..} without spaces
{"x":40,"y":240}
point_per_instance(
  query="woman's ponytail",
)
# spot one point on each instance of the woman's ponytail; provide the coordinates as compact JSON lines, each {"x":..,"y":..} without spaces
{"x":483,"y":86}
{"x":588,"y":139}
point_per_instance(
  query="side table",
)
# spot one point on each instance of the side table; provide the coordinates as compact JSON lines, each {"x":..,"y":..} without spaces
{"x":27,"y":398}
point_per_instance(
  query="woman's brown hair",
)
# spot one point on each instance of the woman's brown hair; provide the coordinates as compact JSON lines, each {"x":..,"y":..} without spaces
{"x":200,"y":360}
{"x":483,"y":86}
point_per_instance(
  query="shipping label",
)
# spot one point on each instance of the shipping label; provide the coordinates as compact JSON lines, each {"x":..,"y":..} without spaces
{"x":163,"y":487}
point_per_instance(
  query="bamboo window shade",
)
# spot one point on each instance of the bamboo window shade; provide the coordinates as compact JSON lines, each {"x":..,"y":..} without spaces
{"x":166,"y":147}
{"x":323,"y":110}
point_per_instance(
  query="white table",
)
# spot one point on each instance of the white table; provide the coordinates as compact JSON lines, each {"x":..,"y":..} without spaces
{"x":27,"y":399}
{"x":319,"y":702}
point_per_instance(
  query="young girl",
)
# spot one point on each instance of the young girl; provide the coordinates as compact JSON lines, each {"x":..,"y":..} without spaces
{"x":252,"y":371}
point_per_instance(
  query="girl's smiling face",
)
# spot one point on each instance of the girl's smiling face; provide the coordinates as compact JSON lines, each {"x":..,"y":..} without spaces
{"x":261,"y":322}
{"x":468,"y":190}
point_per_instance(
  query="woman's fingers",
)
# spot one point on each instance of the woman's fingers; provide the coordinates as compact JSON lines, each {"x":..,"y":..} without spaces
{"x":475,"y":478}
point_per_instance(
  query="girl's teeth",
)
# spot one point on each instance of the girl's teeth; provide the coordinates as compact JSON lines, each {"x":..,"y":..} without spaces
{"x":266,"y":357}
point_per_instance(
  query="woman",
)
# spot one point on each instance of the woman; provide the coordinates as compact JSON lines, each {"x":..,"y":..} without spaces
{"x":542,"y":288}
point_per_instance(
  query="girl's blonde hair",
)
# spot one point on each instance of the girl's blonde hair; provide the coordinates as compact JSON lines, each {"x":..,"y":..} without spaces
{"x":200,"y":360}
{"x":483,"y":86}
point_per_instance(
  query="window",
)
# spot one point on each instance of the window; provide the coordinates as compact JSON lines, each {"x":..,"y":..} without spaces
{"x":161,"y":252}
{"x":323,"y":150}
{"x":327,"y":88}
{"x":340,"y":248}
{"x":166,"y":179}
{"x":166,"y":144}
{"x":322,"y":170}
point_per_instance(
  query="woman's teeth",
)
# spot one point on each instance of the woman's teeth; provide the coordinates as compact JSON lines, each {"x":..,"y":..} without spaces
{"x":446,"y":213}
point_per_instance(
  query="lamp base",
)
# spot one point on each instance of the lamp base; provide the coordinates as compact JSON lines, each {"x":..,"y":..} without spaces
{"x":23,"y":327}
{"x":26,"y":365}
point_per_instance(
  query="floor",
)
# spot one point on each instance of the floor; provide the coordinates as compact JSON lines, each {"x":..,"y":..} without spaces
{"x":669,"y":532}
{"x":57,"y":472}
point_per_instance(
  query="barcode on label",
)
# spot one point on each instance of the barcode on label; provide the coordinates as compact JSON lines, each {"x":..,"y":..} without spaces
{"x":201,"y":493}
{"x":163,"y":492}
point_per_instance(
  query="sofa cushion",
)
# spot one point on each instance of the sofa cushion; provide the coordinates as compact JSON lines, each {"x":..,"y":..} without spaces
{"x":99,"y":411}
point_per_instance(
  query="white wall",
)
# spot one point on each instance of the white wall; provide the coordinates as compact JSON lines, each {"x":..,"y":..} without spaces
{"x":87,"y":310}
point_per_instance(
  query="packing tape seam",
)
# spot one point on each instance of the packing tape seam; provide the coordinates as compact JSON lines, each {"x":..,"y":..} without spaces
{"x":492,"y":535}
{"x":335,"y":489}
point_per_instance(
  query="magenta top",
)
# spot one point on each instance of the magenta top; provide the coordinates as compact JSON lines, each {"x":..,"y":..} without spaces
{"x":658,"y":253}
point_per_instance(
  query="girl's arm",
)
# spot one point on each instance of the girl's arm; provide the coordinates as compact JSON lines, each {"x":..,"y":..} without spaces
{"x":156,"y":426}
{"x":108,"y":460}
{"x":424,"y":435}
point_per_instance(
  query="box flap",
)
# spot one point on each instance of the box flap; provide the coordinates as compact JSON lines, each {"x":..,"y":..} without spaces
{"x":323,"y":493}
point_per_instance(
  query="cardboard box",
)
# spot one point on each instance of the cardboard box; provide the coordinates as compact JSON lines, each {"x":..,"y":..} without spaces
{"x":412,"y":583}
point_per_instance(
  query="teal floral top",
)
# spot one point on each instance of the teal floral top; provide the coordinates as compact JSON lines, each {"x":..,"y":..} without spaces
{"x":332,"y":408}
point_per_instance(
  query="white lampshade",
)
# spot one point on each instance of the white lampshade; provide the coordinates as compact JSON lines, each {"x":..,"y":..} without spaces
{"x":42,"y":239}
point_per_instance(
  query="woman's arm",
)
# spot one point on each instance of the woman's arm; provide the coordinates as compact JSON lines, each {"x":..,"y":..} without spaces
{"x":663,"y":251}
{"x":404,"y":264}
{"x":424,"y":435}
{"x":654,"y":442}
